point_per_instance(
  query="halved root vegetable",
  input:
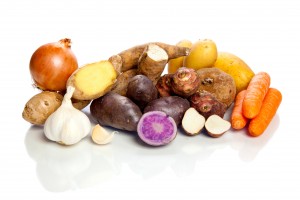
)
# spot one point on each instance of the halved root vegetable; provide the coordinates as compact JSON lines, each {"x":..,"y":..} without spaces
{"x":152,"y":62}
{"x":192,"y":122}
{"x":93,"y":80}
{"x":101,"y":136}
{"x":156,"y":128}
{"x":216,"y":126}
{"x":130,"y":57}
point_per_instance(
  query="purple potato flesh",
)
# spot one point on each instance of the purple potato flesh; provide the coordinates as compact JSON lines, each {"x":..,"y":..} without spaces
{"x":156,"y":128}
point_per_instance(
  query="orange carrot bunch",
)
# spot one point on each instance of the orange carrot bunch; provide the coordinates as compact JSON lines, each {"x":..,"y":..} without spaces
{"x":257,"y":104}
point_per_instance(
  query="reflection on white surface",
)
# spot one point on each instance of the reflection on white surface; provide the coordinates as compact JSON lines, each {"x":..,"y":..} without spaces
{"x":61,"y":168}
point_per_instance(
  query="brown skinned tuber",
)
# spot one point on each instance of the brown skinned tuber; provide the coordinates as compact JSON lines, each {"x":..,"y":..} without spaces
{"x":163,"y":85}
{"x":185,"y":82}
{"x":206,"y":104}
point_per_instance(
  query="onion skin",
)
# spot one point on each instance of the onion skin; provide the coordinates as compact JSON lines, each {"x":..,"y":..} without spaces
{"x":52,"y":64}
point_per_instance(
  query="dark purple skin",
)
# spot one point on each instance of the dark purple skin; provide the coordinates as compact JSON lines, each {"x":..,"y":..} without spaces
{"x":156,"y":128}
{"x":174,"y":106}
{"x":116,"y":111}
{"x":141,"y":90}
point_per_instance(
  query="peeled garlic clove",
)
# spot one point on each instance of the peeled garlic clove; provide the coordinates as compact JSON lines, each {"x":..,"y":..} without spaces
{"x":101,"y":136}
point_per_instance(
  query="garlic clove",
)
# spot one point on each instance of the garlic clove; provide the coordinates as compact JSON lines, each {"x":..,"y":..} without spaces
{"x":101,"y":136}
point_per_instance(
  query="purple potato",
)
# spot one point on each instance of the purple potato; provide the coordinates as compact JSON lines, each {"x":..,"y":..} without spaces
{"x":156,"y":128}
{"x":116,"y":111}
{"x":174,"y":106}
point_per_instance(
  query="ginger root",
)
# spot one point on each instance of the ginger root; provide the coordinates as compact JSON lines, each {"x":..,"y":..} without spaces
{"x":93,"y":80}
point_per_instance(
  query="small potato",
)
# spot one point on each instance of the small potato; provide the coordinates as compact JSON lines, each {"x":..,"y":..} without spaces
{"x":173,"y":106}
{"x":203,"y":54}
{"x":41,"y":106}
{"x":141,"y":90}
{"x":218,"y":83}
{"x":116,"y":111}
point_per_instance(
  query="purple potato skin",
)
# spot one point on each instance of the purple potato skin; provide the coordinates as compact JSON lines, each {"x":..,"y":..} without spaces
{"x":141,"y":90}
{"x":173,"y":106}
{"x":156,"y":128}
{"x":116,"y":111}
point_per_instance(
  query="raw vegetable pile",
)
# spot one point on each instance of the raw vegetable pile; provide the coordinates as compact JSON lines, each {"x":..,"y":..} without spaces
{"x":129,"y":91}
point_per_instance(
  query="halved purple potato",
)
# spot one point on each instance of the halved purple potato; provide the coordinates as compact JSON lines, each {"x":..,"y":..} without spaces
{"x":156,"y":128}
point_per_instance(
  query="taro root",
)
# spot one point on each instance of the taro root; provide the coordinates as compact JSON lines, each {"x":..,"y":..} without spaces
{"x":207,"y":104}
{"x":163,"y":85}
{"x":185,"y":82}
{"x":192,"y":122}
{"x":216,"y":126}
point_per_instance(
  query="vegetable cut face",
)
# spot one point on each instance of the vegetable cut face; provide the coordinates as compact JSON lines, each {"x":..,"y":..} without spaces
{"x":93,"y":80}
{"x":156,"y":128}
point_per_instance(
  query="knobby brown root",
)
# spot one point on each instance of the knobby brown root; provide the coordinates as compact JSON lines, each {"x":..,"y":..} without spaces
{"x":131,"y":56}
{"x":123,"y":79}
{"x":152,"y":62}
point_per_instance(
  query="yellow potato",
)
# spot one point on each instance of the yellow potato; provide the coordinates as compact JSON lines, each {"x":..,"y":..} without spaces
{"x":236,"y":67}
{"x":203,"y":54}
{"x":176,"y":63}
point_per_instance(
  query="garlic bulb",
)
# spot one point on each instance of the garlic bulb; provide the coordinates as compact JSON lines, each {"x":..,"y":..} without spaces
{"x":67,"y":125}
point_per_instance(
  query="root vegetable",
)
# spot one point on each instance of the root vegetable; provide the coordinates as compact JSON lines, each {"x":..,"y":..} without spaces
{"x":101,"y":136}
{"x":116,"y":111}
{"x":52,"y":64}
{"x":123,"y":79}
{"x":93,"y":80}
{"x":206,"y":104}
{"x":255,"y":94}
{"x":192,"y":122}
{"x":163,"y":85}
{"x":173,"y":106}
{"x":130,"y":57}
{"x":268,"y":110}
{"x":152,"y":62}
{"x":203,"y":54}
{"x":216,"y":126}
{"x":176,"y":63}
{"x":156,"y":128}
{"x":235,"y":67}
{"x":185,"y":82}
{"x":41,"y":106}
{"x":80,"y":104}
{"x":218,"y":83}
{"x":238,"y":120}
{"x":141,"y":90}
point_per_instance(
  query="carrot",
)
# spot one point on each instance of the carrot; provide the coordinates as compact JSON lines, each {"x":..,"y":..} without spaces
{"x":255,"y":94}
{"x":269,"y":107}
{"x":238,"y":121}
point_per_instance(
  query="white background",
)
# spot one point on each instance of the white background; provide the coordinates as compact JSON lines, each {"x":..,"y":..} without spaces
{"x":265,"y":34}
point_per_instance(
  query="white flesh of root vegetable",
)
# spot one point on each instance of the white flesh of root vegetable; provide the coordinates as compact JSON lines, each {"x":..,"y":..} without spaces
{"x":216,"y":126}
{"x":192,"y":122}
{"x":101,"y":136}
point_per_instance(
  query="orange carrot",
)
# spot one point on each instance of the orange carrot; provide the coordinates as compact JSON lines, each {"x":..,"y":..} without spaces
{"x":255,"y":94}
{"x":238,"y":121}
{"x":270,"y":105}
